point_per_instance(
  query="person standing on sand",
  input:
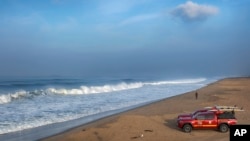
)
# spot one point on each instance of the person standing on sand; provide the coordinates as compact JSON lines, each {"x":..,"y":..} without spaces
{"x":196,"y":95}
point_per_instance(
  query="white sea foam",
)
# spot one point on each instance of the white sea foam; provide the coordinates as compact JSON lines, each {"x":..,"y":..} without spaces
{"x":180,"y":81}
{"x":6,"y":98}
{"x":97,"y":89}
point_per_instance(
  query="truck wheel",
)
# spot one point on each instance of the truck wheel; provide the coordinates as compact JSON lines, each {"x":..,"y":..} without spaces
{"x":223,"y":128}
{"x":187,"y":128}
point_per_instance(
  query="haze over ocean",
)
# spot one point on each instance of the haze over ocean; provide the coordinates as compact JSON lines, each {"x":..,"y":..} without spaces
{"x":97,"y":38}
{"x":67,"y":59}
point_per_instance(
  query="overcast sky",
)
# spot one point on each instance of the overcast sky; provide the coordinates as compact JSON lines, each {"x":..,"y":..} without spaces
{"x":103,"y":37}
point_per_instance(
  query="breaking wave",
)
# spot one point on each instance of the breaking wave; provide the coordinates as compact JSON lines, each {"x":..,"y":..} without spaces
{"x":97,"y":89}
{"x":6,"y":98}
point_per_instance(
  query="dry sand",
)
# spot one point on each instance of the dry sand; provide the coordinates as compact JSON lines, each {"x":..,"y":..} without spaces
{"x":157,"y":121}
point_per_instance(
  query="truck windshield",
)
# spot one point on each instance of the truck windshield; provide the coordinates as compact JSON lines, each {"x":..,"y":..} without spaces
{"x":195,"y":114}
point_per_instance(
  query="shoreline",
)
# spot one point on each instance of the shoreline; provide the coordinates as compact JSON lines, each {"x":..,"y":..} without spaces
{"x":62,"y":127}
{"x":156,"y":120}
{"x":41,"y":133}
{"x":144,"y":111}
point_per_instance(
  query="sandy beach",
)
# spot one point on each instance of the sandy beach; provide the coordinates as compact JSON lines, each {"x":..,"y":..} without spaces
{"x":157,"y":121}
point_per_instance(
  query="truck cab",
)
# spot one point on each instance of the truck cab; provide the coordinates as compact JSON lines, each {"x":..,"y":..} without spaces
{"x":207,"y":120}
{"x":206,"y":109}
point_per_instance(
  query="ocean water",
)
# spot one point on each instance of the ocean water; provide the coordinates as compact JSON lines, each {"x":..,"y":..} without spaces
{"x":32,"y":102}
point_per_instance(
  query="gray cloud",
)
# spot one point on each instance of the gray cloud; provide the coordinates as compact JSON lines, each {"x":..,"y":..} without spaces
{"x":191,"y":11}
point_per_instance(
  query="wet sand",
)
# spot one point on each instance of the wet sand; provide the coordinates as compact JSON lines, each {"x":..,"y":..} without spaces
{"x":157,"y":121}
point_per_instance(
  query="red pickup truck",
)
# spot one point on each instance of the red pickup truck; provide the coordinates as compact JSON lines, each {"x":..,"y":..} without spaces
{"x":207,"y":120}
